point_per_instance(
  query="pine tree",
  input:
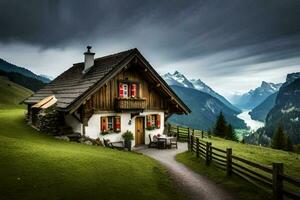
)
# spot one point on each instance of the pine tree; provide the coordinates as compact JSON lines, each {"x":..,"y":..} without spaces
{"x":279,"y":139}
{"x":231,"y":134}
{"x":289,"y":144}
{"x":221,"y":126}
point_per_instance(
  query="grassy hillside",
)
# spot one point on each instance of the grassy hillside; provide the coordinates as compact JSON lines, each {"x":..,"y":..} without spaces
{"x":261,"y":155}
{"x":36,"y":166}
{"x":11,"y":94}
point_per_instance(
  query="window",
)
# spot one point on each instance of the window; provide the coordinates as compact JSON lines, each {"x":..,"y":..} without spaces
{"x":110,"y":124}
{"x":128,"y":89}
{"x":153,"y":121}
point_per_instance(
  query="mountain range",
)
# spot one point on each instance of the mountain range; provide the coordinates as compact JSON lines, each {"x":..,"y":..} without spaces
{"x":179,"y":79}
{"x":261,"y":111}
{"x":205,"y":109}
{"x":255,"y":97}
{"x":8,"y":67}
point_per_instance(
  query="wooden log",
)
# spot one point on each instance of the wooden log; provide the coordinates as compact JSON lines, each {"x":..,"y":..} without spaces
{"x":292,"y":195}
{"x":207,"y":158}
{"x":218,"y":159}
{"x":291,"y":180}
{"x":217,"y":149}
{"x":229,"y":162}
{"x":259,"y":166}
{"x":250,"y":178}
{"x":277,"y":181}
{"x":252,"y":172}
{"x":216,"y":154}
{"x":197,"y":147}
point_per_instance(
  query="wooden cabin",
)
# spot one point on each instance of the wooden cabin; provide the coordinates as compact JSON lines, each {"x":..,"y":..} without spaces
{"x":105,"y":97}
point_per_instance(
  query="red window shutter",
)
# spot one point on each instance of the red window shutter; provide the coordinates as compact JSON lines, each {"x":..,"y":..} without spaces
{"x":121,"y":90}
{"x":158,"y":121}
{"x":117,"y":123}
{"x":133,"y":90}
{"x":149,"y":121}
{"x":104,"y":124}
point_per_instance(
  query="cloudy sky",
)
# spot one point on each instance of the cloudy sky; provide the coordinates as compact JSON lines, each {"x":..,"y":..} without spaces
{"x":232,"y":45}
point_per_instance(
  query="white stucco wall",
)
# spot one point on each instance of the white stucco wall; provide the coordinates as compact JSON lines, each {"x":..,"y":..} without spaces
{"x":74,"y":123}
{"x":93,"y":128}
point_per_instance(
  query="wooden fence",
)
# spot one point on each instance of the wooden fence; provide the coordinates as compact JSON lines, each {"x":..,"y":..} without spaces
{"x":183,"y":133}
{"x":272,"y":178}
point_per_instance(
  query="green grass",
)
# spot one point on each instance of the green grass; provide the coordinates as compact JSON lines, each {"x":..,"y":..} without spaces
{"x":11,"y":94}
{"x":238,"y":187}
{"x":36,"y":166}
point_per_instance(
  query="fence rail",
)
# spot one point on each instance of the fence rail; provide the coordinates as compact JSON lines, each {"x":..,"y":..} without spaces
{"x":272,"y":178}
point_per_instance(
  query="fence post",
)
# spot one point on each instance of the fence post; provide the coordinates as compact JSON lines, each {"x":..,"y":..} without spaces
{"x":228,"y":161}
{"x":207,"y":157}
{"x":210,"y":151}
{"x":178,"y":132}
{"x":202,"y":134}
{"x":197,"y":147}
{"x":192,"y":143}
{"x":277,"y":181}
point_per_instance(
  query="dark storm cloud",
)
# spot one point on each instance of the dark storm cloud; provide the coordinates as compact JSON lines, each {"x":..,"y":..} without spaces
{"x":232,"y":33}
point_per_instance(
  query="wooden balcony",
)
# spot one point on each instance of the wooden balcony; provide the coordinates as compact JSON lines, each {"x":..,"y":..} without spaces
{"x":130,"y":103}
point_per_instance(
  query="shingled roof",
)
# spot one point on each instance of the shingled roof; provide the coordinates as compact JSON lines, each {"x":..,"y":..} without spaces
{"x":73,"y":84}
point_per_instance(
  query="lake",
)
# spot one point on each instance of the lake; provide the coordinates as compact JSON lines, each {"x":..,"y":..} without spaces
{"x":253,"y":124}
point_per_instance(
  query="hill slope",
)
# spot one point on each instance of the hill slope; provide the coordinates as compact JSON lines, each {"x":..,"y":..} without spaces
{"x":27,"y":82}
{"x":205,"y":110}
{"x":36,"y":166}
{"x":11,"y":93}
{"x":261,"y":111}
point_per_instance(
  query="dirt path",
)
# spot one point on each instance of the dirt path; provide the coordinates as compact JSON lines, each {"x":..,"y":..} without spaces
{"x":192,"y":184}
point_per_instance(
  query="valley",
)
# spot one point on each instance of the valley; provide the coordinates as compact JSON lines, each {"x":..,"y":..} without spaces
{"x":252,"y":124}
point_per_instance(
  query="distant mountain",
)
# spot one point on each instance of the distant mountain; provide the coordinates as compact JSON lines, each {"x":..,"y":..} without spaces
{"x":255,"y":97}
{"x":205,"y":109}
{"x":180,"y":80}
{"x":8,"y":67}
{"x":46,"y":77}
{"x":25,"y":81}
{"x":261,"y":111}
{"x":286,"y":111}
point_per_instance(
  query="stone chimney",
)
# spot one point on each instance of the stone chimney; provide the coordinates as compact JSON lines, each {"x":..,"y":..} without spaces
{"x":88,"y":59}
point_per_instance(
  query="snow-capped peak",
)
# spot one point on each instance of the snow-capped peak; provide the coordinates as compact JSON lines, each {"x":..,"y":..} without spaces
{"x":177,"y":79}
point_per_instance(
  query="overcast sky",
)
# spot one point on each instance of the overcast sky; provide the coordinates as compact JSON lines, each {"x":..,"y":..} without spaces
{"x":232,"y":45}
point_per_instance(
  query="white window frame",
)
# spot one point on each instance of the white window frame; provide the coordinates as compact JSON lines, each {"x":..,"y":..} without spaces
{"x":125,"y":89}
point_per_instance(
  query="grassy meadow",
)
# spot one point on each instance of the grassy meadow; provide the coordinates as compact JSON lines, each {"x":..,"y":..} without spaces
{"x":37,"y":166}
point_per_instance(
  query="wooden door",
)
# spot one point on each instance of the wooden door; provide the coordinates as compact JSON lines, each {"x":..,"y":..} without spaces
{"x":139,"y":131}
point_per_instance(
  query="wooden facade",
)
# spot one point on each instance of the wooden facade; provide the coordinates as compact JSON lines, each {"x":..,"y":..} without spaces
{"x":149,"y":96}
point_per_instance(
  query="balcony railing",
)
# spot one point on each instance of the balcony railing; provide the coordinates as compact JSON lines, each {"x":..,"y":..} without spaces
{"x":130,"y":103}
